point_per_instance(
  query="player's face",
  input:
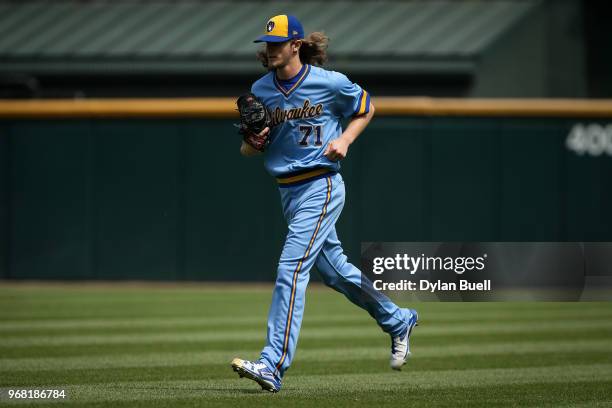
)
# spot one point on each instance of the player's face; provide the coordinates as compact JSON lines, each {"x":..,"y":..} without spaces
{"x":279,"y":54}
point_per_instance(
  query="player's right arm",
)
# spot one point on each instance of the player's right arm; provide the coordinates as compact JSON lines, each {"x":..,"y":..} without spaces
{"x":351,"y":101}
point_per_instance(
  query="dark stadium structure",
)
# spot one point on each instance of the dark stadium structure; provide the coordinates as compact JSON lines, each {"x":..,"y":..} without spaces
{"x":464,"y":48}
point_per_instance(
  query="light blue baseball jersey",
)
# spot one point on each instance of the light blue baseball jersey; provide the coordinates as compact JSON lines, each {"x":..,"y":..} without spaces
{"x":306,"y":117}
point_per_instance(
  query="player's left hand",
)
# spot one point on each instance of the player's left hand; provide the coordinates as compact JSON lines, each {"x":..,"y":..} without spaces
{"x":336,"y":149}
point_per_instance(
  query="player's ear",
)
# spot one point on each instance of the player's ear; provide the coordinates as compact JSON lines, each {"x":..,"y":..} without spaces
{"x":296,"y":45}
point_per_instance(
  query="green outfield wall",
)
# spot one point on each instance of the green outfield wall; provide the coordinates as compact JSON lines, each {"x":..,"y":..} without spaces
{"x":172,"y":199}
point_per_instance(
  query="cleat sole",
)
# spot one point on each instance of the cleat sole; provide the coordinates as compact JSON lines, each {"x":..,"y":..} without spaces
{"x":243,"y":373}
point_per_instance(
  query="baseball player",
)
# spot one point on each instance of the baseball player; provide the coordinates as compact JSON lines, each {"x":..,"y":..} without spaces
{"x":302,"y":148}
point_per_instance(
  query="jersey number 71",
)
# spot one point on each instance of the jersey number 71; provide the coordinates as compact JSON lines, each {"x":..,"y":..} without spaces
{"x":307,"y":131}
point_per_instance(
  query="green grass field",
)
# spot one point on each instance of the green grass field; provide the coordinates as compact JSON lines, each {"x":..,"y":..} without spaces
{"x":153,"y":346}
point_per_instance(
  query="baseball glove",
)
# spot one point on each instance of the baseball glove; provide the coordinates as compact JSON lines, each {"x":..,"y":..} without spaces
{"x":254,"y":117}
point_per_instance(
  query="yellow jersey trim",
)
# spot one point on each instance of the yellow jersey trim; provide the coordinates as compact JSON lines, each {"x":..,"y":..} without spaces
{"x":362,"y":104}
{"x":303,"y":176}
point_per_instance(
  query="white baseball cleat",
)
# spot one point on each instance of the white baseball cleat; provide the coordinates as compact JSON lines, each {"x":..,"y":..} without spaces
{"x":258,"y":372}
{"x":400,"y":345}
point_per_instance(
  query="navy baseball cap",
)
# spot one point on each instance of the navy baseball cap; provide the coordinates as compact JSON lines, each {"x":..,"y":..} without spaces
{"x":282,"y":28}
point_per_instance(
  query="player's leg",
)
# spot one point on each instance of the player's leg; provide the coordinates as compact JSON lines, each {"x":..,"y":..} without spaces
{"x":315,"y":207}
{"x":344,"y":277}
{"x":339,"y":274}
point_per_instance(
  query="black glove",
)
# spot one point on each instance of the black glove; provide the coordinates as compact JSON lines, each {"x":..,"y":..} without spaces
{"x":254,"y":118}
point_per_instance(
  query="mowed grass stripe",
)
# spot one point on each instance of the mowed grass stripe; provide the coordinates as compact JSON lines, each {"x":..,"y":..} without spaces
{"x":17,"y":327}
{"x":464,"y":378}
{"x":333,"y":385}
{"x":21,"y":304}
{"x":82,"y":294}
{"x":261,"y":325}
{"x":540,"y":395}
{"x":170,"y":359}
{"x":313,"y":343}
{"x":424,"y":330}
{"x":222,"y":370}
{"x":317,"y":302}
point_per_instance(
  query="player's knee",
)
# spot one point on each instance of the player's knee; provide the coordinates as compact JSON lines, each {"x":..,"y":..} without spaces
{"x":330,"y":279}
{"x":331,"y":273}
{"x":339,"y":262}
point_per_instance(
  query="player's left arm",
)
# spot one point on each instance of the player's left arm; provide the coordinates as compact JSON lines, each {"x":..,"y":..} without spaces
{"x":338,"y":148}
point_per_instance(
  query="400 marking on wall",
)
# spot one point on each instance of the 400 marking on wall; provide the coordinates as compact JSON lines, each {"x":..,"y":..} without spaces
{"x":592,"y":139}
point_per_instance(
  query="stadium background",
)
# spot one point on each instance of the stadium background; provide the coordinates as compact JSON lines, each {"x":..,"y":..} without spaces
{"x":98,"y":185}
{"x":119,"y":166}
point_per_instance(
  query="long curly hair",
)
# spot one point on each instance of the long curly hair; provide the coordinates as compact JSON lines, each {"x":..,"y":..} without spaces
{"x":313,"y":50}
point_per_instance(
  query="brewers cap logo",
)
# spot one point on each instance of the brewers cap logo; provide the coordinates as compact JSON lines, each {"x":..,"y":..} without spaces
{"x":279,"y":28}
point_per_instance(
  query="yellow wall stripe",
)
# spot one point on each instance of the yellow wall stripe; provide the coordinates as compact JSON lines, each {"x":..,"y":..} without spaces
{"x":226,"y":107}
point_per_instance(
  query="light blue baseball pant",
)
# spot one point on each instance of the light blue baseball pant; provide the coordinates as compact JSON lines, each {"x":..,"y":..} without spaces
{"x":311,"y":210}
